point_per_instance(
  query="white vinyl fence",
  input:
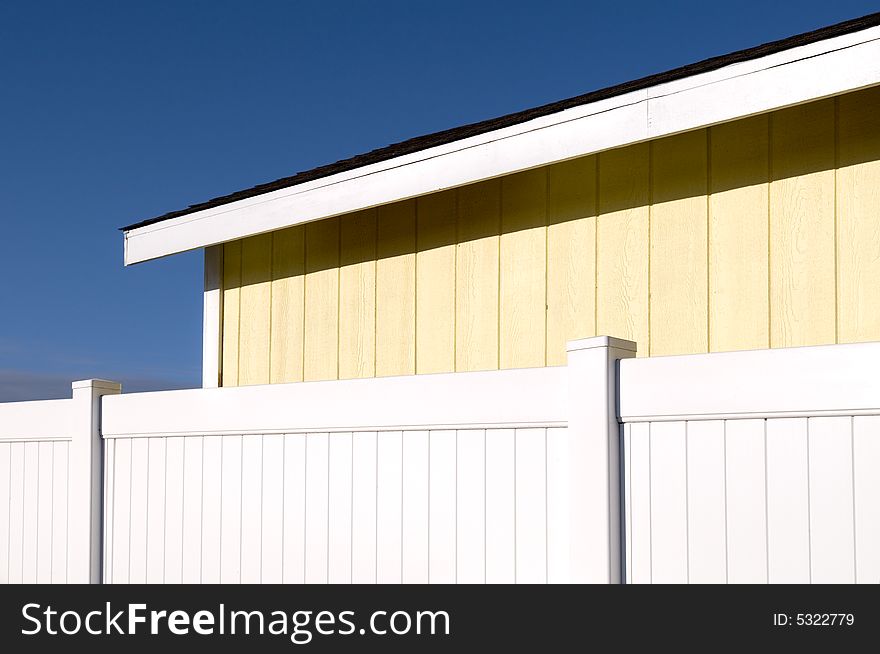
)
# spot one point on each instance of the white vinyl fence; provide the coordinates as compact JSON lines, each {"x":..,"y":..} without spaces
{"x":463,"y":477}
{"x":50,"y":490}
{"x":756,"y":466}
{"x":753,"y":467}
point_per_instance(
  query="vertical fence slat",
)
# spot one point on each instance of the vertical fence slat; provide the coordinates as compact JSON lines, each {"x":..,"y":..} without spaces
{"x":531,"y":506}
{"x":212,"y":455}
{"x":16,"y":512}
{"x":294,"y":555}
{"x":363,"y":522}
{"x":174,"y":510}
{"x":44,"y":513}
{"x":109,"y":501}
{"x":442,"y":511}
{"x":866,"y":459}
{"x":317,"y":507}
{"x":273,"y":509}
{"x":746,"y":503}
{"x":192,"y":509}
{"x":137,"y":566}
{"x":230,"y":511}
{"x":121,"y":509}
{"x":340,"y":503}
{"x":831,"y":500}
{"x":707,"y":538}
{"x":788,"y":512}
{"x":156,"y":510}
{"x":558,"y":506}
{"x":669,"y":528}
{"x":251,"y":509}
{"x":59,"y":512}
{"x":640,"y":499}
{"x":29,"y":534}
{"x":471,"y":507}
{"x":500,"y":506}
{"x":389,"y":483}
{"x":5,"y":482}
{"x":415,"y":507}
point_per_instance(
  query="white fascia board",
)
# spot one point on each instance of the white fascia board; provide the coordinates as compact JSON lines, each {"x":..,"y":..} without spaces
{"x":810,"y":72}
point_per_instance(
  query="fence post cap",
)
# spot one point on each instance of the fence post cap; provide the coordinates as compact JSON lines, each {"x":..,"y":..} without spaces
{"x":99,"y":384}
{"x":600,"y":341}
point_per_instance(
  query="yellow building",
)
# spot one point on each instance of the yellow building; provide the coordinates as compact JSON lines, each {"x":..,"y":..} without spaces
{"x":731,"y":204}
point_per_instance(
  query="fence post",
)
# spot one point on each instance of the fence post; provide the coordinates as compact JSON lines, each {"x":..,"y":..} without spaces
{"x":594,"y":454}
{"x":85,"y":481}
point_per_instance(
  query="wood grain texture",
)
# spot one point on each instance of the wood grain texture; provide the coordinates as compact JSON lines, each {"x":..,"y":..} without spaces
{"x":321,"y":300}
{"x":523,"y":263}
{"x":476,"y":279}
{"x":739,"y":303}
{"x":802,"y":272}
{"x":858,"y":216}
{"x":231,"y":312}
{"x":435,"y":283}
{"x":623,"y":245}
{"x":357,"y":296}
{"x":256,"y":301}
{"x":679,"y":242}
{"x":288,"y":288}
{"x":571,"y":255}
{"x":396,"y":290}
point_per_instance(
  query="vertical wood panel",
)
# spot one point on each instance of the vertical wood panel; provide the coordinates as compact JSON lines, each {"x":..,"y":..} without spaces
{"x":137,"y":558}
{"x":251,"y":508}
{"x":435,"y":283}
{"x":230,"y":511}
{"x":669,"y":505}
{"x":623,"y":245}
{"x":858,"y":206}
{"x":16,"y":511}
{"x":288,"y":288}
{"x":558,"y":506}
{"x":396,"y":290}
{"x":317,"y":507}
{"x":866,"y":486}
{"x":340,"y":507}
{"x":571,"y":255}
{"x":442,"y":507}
{"x":389,"y":482}
{"x":746,"y":502}
{"x":679,"y":245}
{"x":476,"y":295}
{"x":802,"y":275}
{"x":639,"y":523}
{"x":788,"y":514}
{"x":256,"y":301}
{"x":44,"y":513}
{"x":415,"y":507}
{"x":5,"y":535}
{"x":59,"y":513}
{"x":156,"y":510}
{"x":321,"y":300}
{"x":471,"y":507}
{"x":357,"y":295}
{"x":363,"y":521}
{"x":212,"y":488}
{"x":231,"y":311}
{"x":294,"y":561}
{"x":531,"y":506}
{"x":121,"y":509}
{"x":192,"y":509}
{"x":272,"y":521}
{"x":523,"y":263}
{"x":500,"y":506}
{"x":707,"y":537}
{"x":738,"y":239}
{"x":832,"y":545}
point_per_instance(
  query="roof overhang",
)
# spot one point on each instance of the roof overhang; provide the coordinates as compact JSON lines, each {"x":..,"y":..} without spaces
{"x":801,"y":74}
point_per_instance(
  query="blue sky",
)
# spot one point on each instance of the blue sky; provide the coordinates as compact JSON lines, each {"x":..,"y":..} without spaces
{"x":111,"y":112}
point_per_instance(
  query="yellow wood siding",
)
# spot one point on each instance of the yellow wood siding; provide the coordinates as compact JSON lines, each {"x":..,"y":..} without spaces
{"x":764,"y":232}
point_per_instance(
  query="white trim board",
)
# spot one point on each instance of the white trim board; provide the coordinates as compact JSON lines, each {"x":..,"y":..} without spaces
{"x":810,"y":72}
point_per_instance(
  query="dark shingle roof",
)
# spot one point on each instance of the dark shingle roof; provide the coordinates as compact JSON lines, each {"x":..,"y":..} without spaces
{"x":457,"y":133}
